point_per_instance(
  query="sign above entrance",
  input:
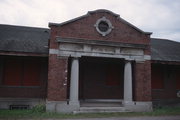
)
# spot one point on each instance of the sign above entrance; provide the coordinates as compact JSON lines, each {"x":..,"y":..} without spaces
{"x":103,"y":26}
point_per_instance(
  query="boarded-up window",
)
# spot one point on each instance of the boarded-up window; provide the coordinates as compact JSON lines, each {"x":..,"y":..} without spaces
{"x":31,"y":73}
{"x":178,"y":80}
{"x":157,"y":77}
{"x":12,"y":72}
{"x":21,"y":71}
{"x":113,"y":75}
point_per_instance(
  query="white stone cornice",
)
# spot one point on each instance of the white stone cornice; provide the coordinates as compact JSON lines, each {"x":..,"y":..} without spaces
{"x":54,"y":51}
{"x":147,"y":57}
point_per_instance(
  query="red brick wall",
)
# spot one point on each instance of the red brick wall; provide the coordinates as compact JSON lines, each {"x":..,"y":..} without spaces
{"x":142,"y":81}
{"x":57,"y":78}
{"x":53,"y":43}
{"x":23,"y":92}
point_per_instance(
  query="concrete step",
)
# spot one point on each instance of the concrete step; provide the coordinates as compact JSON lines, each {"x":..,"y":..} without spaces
{"x":101,"y":110}
{"x":101,"y":104}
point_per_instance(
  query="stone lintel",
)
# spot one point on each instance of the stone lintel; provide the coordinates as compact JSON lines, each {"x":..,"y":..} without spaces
{"x":99,"y":42}
{"x":78,"y":50}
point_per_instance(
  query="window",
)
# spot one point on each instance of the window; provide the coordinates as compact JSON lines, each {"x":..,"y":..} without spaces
{"x":178,"y":80}
{"x":103,"y":26}
{"x":12,"y":72}
{"x":21,"y":71}
{"x":157,"y":80}
{"x":31,"y":73}
{"x":113,"y":76}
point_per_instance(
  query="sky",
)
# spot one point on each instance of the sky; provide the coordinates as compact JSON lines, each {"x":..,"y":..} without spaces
{"x":162,"y":17}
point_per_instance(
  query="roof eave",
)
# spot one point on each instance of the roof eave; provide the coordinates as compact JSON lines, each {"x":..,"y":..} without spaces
{"x":136,"y":28}
{"x":69,"y":21}
{"x":148,"y":33}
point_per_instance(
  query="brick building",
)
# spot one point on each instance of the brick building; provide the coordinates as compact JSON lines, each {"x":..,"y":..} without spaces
{"x":97,"y":61}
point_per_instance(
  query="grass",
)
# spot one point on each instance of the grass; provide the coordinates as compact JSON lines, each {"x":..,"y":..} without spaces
{"x":38,"y":114}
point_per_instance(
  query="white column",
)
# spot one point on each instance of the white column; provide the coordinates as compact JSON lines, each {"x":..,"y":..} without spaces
{"x":127,"y":83}
{"x":74,"y":82}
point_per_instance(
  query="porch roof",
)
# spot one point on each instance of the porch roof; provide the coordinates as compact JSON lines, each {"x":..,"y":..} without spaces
{"x":24,"y":39}
{"x":165,"y":50}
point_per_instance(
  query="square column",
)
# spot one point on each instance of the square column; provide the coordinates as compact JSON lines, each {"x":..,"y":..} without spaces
{"x":128,"y":83}
{"x":74,"y":83}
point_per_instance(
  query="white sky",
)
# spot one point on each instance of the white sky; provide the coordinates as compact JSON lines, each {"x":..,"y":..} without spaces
{"x":162,"y":17}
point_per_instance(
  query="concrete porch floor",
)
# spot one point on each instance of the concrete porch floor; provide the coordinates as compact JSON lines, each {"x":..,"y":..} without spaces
{"x":100,"y":106}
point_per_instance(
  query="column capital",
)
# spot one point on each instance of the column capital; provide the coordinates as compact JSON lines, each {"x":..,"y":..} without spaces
{"x":128,"y":61}
{"x":76,"y":58}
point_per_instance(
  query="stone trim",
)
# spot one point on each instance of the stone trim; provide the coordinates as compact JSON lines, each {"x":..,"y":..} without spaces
{"x":64,"y":107}
{"x":68,"y":48}
{"x":74,"y":83}
{"x":147,"y":57}
{"x":128,"y":92}
{"x":60,"y":107}
{"x":80,"y":54}
{"x":99,"y":42}
{"x":110,"y":27}
{"x":139,"y":106}
{"x":53,"y":51}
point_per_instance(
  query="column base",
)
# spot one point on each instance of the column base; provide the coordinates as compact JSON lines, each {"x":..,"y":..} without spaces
{"x":74,"y":103}
{"x":61,"y":107}
{"x":138,"y":106}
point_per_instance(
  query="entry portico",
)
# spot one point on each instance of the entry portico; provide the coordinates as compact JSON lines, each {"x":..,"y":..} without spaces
{"x":103,"y":40}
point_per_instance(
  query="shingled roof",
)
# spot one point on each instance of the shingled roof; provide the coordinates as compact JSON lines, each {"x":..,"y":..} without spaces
{"x":165,"y":50}
{"x":24,"y":39}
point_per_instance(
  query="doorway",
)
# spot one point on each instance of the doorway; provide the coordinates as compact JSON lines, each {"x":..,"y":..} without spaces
{"x":101,"y":78}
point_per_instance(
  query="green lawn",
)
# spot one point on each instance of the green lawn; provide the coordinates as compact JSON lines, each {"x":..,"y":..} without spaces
{"x":5,"y":114}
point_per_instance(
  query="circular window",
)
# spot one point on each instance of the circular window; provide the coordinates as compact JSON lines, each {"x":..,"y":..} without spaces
{"x":103,"y":26}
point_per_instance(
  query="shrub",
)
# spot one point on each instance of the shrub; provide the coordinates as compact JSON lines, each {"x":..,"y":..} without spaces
{"x":39,"y":108}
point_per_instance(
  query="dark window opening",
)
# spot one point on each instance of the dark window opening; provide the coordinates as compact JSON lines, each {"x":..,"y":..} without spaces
{"x":18,"y":71}
{"x":178,"y":80}
{"x":103,"y":26}
{"x":113,"y":75}
{"x":157,"y":74}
